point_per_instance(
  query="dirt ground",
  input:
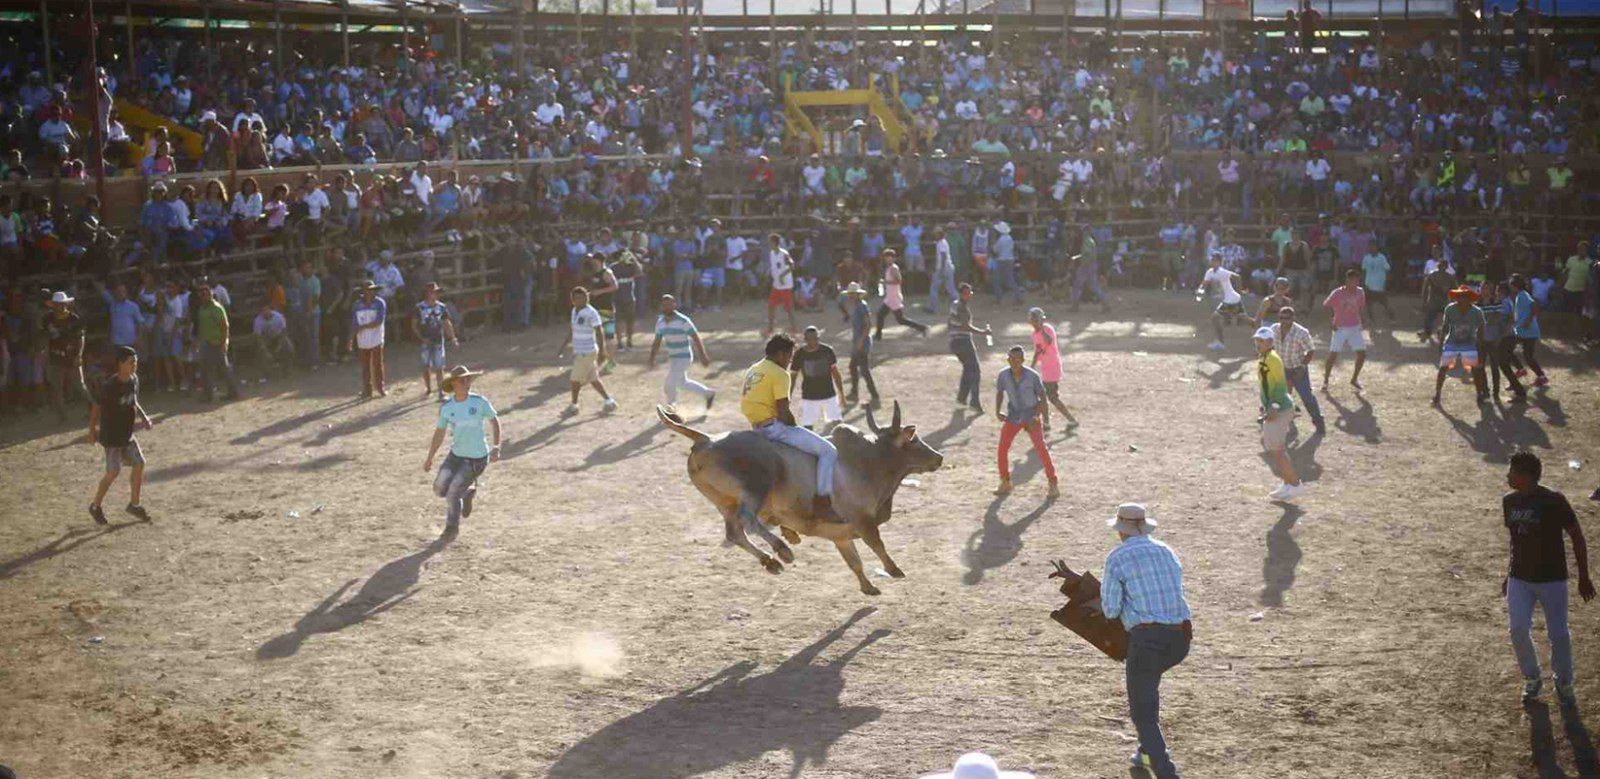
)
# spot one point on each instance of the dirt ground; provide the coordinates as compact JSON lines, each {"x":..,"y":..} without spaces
{"x":289,"y":612}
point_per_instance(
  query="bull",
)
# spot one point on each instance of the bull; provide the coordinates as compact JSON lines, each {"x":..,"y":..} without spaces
{"x":754,"y":483}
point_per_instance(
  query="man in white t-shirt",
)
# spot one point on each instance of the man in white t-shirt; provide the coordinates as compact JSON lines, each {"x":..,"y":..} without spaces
{"x":1232,"y":306}
{"x":815,"y":175}
{"x":588,"y":341}
{"x":780,"y":267}
{"x":943,"y":273}
{"x":422,"y":183}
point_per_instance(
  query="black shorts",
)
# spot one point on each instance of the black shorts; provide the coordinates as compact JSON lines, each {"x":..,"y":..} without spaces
{"x":1231,"y":309}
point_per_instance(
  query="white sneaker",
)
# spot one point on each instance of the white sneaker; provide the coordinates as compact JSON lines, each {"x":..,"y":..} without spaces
{"x":609,"y":405}
{"x":572,"y":409}
{"x":1217,"y":346}
{"x":1292,"y":491}
{"x":1280,"y":491}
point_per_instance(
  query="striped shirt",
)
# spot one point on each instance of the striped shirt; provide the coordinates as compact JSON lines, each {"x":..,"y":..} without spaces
{"x":1144,"y":584}
{"x":674,"y":335}
{"x":1294,"y":347}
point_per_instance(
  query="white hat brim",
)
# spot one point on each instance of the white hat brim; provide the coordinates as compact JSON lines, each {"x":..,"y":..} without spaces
{"x":1003,"y":775}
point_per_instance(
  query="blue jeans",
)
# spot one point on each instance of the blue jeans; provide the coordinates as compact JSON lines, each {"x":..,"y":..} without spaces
{"x":217,"y":369}
{"x":971,"y":384}
{"x":1552,"y":598}
{"x":313,"y":348}
{"x":810,"y":443}
{"x":1152,"y":650}
{"x":1300,"y":380}
{"x":1004,"y":280}
{"x":455,"y":479}
{"x":1087,"y":275}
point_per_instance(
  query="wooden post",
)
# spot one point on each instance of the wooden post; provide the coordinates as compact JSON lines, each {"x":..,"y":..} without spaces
{"x":133,"y":60}
{"x":577,"y":15}
{"x":44,"y":24}
{"x":994,"y":27}
{"x":854,"y":56}
{"x":688,"y":82}
{"x":460,"y":20}
{"x":922,"y":30}
{"x":633,"y":35}
{"x":344,"y":31}
{"x":405,"y":37}
{"x":277,"y":46}
{"x":1066,"y":29}
{"x":97,"y":154}
{"x":772,"y":41}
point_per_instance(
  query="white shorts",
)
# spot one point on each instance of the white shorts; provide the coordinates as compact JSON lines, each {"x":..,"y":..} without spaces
{"x":814,"y":412}
{"x":1347,"y":339}
{"x":1467,"y":357}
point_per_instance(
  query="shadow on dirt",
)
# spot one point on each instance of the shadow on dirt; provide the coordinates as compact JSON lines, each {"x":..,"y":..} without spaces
{"x":386,"y":588}
{"x":732,"y":717}
{"x":1283,"y":557}
{"x":1542,"y":742}
{"x":997,"y":543}
{"x":68,"y":541}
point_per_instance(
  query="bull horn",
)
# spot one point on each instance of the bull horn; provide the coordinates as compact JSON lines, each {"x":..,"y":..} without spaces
{"x":895,"y":423}
{"x":872,"y":424}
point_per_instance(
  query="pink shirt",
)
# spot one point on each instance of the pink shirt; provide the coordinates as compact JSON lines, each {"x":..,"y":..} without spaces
{"x":893,"y":296}
{"x":1044,"y":345}
{"x":1346,"y":305}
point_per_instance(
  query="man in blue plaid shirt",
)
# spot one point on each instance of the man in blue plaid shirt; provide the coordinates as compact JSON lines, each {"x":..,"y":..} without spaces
{"x":1144,"y":588}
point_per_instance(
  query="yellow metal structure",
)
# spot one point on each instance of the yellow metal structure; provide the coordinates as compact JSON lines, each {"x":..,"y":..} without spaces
{"x":799,"y":124}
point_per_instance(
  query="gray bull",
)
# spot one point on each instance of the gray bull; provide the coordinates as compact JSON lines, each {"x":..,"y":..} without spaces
{"x":755,"y":482}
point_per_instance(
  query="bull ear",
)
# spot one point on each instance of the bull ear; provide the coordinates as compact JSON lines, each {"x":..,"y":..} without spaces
{"x":872,"y":423}
{"x":895,"y":423}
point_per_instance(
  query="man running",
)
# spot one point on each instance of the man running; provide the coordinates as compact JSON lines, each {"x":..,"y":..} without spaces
{"x":1019,"y":405}
{"x":1461,"y":334}
{"x":1536,"y":517}
{"x":431,"y":327}
{"x":894,"y":299}
{"x":112,"y":420}
{"x":1232,"y":305}
{"x":1277,"y":414}
{"x":765,"y":403}
{"x":587,"y":338}
{"x":1047,"y":361}
{"x":816,"y":369}
{"x":463,"y":415}
{"x":1349,"y":306}
{"x":780,"y":267}
{"x":682,"y":339}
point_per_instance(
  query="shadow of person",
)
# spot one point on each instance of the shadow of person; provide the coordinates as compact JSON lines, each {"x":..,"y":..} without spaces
{"x":1283,"y":557}
{"x":366,"y":422}
{"x":960,"y":420}
{"x":1488,"y":436}
{"x":997,"y":543}
{"x":1542,"y":741}
{"x":291,"y":423}
{"x":732,"y":717}
{"x":386,"y":588}
{"x":608,"y":454}
{"x":540,"y":438}
{"x":1303,"y":455}
{"x":66,"y":542}
{"x":1358,"y":422}
{"x":1583,"y":752}
{"x":1224,"y":373}
{"x":548,"y":388}
{"x":1553,"y":413}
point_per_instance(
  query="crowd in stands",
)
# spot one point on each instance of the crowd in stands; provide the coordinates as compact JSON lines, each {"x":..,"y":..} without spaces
{"x":1091,"y":155}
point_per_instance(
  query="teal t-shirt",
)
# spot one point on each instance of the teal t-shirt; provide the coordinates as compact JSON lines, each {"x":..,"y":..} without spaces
{"x":674,"y":334}
{"x":1376,"y":266}
{"x":465,"y":419}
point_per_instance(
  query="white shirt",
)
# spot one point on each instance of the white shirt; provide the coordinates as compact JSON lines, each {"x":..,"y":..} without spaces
{"x":584,"y":321}
{"x":814,"y":175}
{"x":782,"y":268}
{"x":547,"y":112}
{"x":423,"y":185}
{"x":1317,"y":170}
{"x":736,"y":249}
{"x":1222,"y":277}
{"x":388,"y":279}
{"x":941,"y":251}
{"x":243,"y":119}
{"x":316,"y":202}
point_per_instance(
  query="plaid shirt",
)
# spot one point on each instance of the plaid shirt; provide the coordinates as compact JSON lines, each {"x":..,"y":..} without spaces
{"x":1144,"y":584}
{"x":1233,"y":257}
{"x":1293,"y":347}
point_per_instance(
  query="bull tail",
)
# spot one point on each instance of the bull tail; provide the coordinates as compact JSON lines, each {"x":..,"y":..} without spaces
{"x":675,"y":423}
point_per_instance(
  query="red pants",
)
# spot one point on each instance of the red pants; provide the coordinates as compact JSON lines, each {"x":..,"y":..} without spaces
{"x":1035,"y":434}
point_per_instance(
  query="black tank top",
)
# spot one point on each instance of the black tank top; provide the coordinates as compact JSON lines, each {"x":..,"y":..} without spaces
{"x":600,"y":300}
{"x":1273,"y":306}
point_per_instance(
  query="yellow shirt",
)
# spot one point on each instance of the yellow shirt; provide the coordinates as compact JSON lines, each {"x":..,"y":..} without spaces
{"x":765,"y":383}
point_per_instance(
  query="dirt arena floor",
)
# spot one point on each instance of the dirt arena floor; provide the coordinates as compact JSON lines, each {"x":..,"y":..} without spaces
{"x":290,"y":612}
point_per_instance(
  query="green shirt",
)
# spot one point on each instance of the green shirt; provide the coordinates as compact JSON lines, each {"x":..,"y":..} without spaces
{"x":1577,"y":273}
{"x":1281,"y":238}
{"x":211,"y":322}
{"x":1274,"y":384}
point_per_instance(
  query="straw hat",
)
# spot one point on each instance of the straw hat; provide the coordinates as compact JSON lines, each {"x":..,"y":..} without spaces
{"x":458,"y":372}
{"x":1131,"y":519}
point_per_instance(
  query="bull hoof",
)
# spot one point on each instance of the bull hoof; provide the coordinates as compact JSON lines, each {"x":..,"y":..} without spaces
{"x":867,"y":589}
{"x":789,"y":535}
{"x":895,"y":572}
{"x":786,"y":555}
{"x":773,"y":566}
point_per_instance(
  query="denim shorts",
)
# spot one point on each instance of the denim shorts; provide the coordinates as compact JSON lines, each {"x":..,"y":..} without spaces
{"x":129,"y":454}
{"x":433,"y":357}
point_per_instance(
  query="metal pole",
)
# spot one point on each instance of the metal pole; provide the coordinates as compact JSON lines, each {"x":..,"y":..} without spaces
{"x":344,"y":33}
{"x":772,"y":41}
{"x":44,"y":23}
{"x":853,"y":55}
{"x":97,"y":155}
{"x":460,"y":18}
{"x":633,"y":34}
{"x":405,"y":36}
{"x":577,"y":15}
{"x":1066,"y":27}
{"x":994,"y":27}
{"x":922,"y":30}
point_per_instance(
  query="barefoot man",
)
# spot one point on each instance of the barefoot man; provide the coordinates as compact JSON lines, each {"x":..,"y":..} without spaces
{"x":463,"y":415}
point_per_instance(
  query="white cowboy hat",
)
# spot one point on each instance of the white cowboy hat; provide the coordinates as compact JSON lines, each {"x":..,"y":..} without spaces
{"x":977,"y":765}
{"x":1002,"y":228}
{"x":855,"y":288}
{"x":60,"y":297}
{"x":1132,"y":519}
